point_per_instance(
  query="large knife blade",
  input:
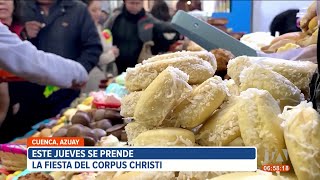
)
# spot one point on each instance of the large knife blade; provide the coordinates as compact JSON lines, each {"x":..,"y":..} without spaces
{"x":207,"y":36}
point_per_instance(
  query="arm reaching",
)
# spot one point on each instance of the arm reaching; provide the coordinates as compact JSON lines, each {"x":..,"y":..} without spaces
{"x":24,"y":60}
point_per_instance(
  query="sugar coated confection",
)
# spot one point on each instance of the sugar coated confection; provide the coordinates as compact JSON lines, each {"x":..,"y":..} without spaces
{"x":278,"y":86}
{"x":146,"y":176}
{"x":302,"y":135}
{"x":298,"y":72}
{"x":141,"y":76}
{"x":259,"y":123}
{"x":128,"y":104}
{"x":168,"y":90}
{"x":201,"y":103}
{"x":222,"y":127}
{"x":165,"y":137}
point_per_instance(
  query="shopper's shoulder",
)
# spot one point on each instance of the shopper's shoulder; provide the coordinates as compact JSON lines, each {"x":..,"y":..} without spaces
{"x":74,"y":4}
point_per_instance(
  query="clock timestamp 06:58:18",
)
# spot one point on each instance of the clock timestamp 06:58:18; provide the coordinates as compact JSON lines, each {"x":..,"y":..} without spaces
{"x":276,"y":168}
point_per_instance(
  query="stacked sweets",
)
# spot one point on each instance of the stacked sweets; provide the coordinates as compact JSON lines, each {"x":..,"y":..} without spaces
{"x":175,"y":100}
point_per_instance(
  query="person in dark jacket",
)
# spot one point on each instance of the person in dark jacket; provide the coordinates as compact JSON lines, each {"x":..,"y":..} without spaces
{"x":285,"y":22}
{"x":133,"y":31}
{"x":62,"y":27}
{"x":160,"y":10}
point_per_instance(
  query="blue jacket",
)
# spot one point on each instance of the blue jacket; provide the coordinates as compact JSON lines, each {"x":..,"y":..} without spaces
{"x":69,"y":31}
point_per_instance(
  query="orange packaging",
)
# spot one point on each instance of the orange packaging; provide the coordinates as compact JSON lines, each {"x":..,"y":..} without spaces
{"x":55,"y":141}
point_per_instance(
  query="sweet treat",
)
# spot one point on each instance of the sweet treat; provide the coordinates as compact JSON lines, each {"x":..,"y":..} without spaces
{"x":237,"y":142}
{"x":69,"y":113}
{"x":313,"y":24}
{"x":290,"y":36}
{"x":236,"y":66}
{"x":233,"y":88}
{"x":309,"y":40}
{"x":99,"y":114}
{"x":222,"y":56}
{"x":189,"y":175}
{"x":165,"y":137}
{"x":278,"y":44}
{"x":105,"y":175}
{"x":257,"y":40}
{"x":81,"y":118}
{"x":58,"y":175}
{"x":168,"y":90}
{"x":222,"y":127}
{"x":124,"y":136}
{"x":106,"y":33}
{"x":13,"y":157}
{"x":201,"y":103}
{"x":192,"y":46}
{"x":84,"y":176}
{"x":259,"y":123}
{"x":3,"y":176}
{"x":288,"y":46}
{"x":57,"y":127}
{"x":298,"y":72}
{"x":60,"y":133}
{"x":113,"y":115}
{"x":259,"y":175}
{"x":45,"y":132}
{"x":141,"y":76}
{"x":102,"y":124}
{"x":78,"y":130}
{"x":133,"y":129}
{"x":89,"y":141}
{"x":278,"y":86}
{"x":116,"y":130}
{"x":196,"y":175}
{"x":109,"y":141}
{"x":204,"y":55}
{"x":119,"y":90}
{"x":302,"y":136}
{"x":36,"y":175}
{"x":311,"y":13}
{"x":145,"y":176}
{"x":273,"y":48}
{"x":37,"y":134}
{"x":128,"y":103}
{"x":83,"y":108}
{"x":99,"y":133}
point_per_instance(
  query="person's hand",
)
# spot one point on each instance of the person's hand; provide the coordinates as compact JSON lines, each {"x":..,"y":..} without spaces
{"x":78,"y":86}
{"x":33,"y":28}
{"x":115,"y":51}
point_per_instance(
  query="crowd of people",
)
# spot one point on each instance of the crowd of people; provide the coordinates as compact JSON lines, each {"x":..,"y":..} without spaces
{"x":72,"y":44}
